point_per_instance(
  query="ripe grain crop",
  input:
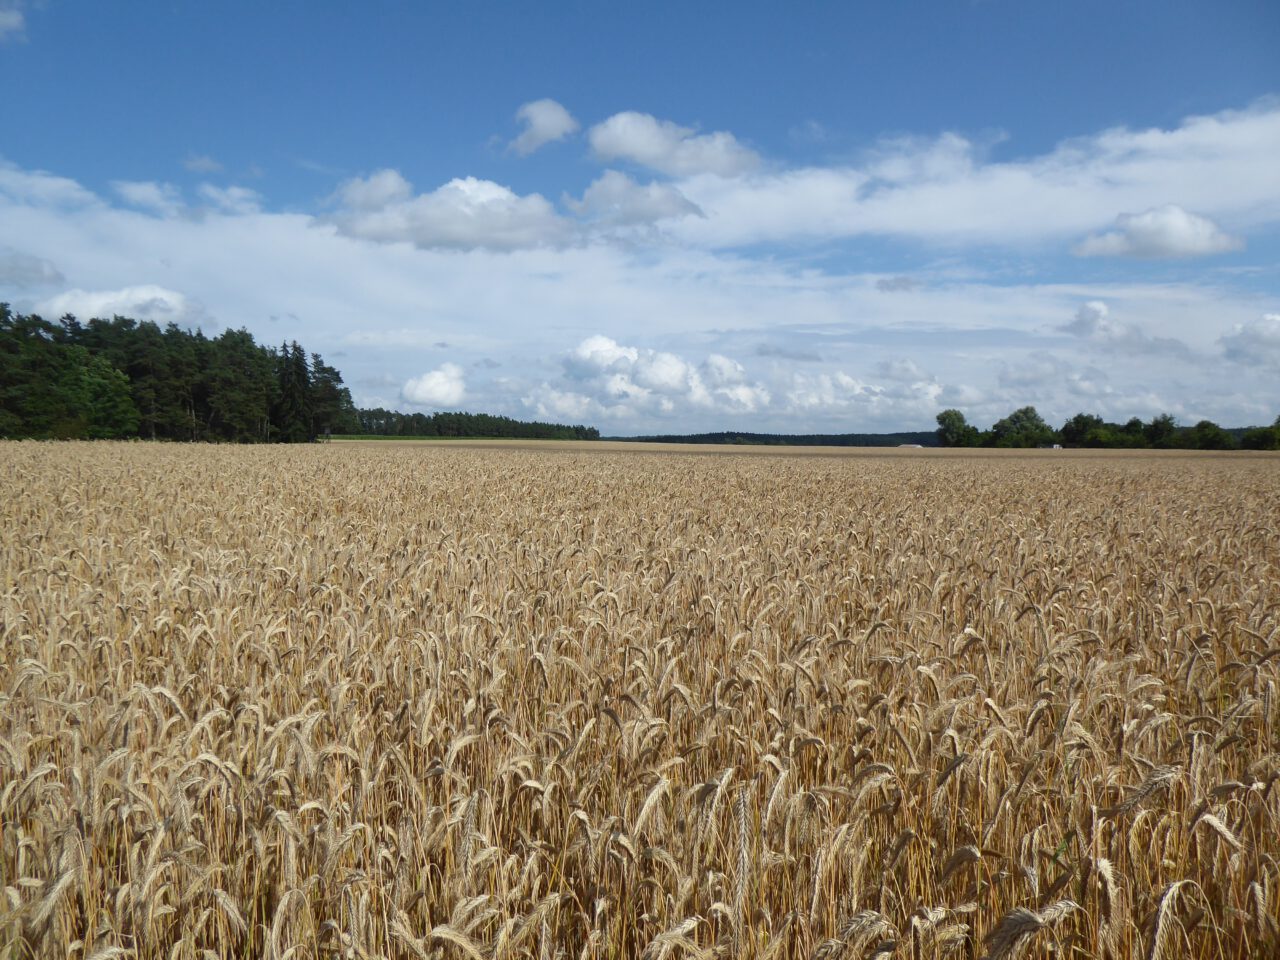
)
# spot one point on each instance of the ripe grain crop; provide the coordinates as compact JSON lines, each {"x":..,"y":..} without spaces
{"x":414,"y":702}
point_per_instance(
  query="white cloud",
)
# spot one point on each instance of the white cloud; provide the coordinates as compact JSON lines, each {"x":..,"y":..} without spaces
{"x":792,"y":205}
{"x":669,"y":148}
{"x":1256,"y":342}
{"x":599,"y":354}
{"x":743,"y":397}
{"x":730,"y":388}
{"x":1167,"y":231}
{"x":159,"y":198}
{"x":1090,"y":384}
{"x":720,"y":370}
{"x":443,"y":387}
{"x":942,"y":190}
{"x":616,"y":199}
{"x":12,"y":22}
{"x":376,"y":191}
{"x":234,"y":200}
{"x":826,"y":391}
{"x":22,"y":270}
{"x":38,"y":188}
{"x":1093,"y":322}
{"x":902,"y":369}
{"x":201,"y":163}
{"x":665,"y":373}
{"x":165,"y":199}
{"x":545,"y":121}
{"x":383,"y":307}
{"x":852,"y":404}
{"x":143,"y":302}
{"x":1059,"y":388}
{"x":1031,"y":372}
{"x":562,"y":405}
{"x":464,"y":214}
{"x":914,"y":160}
{"x":604,"y":378}
{"x":627,"y":373}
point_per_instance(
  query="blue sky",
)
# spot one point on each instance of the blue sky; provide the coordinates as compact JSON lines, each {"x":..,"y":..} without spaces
{"x":671,"y":216}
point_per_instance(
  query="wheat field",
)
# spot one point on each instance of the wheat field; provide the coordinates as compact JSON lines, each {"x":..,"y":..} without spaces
{"x":439,"y":701}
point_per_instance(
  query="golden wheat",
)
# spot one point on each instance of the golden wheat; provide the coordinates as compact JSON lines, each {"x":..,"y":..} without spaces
{"x":443,"y":702}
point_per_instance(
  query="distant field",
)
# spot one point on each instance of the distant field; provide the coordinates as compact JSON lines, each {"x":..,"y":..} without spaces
{"x":505,"y":699}
{"x":778,"y":450}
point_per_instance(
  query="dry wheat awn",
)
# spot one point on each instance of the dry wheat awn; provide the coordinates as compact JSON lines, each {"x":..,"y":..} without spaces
{"x":430,"y":701}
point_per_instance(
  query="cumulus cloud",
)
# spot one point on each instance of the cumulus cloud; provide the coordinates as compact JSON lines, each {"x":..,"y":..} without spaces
{"x":233,"y":200}
{"x":1162,"y":232}
{"x":902,"y":369}
{"x":443,"y":387}
{"x":621,"y":373}
{"x":1256,"y":342}
{"x":1090,"y":384}
{"x":159,"y":198}
{"x":1041,"y":377}
{"x":144,"y":302}
{"x":909,"y":399}
{"x":598,"y":354}
{"x":22,"y":270}
{"x":1060,"y":388}
{"x":561,"y":405}
{"x":721,"y":370}
{"x":605,"y":378}
{"x":615,"y":199}
{"x":464,"y":214}
{"x":1093,"y":322}
{"x":830,"y":390}
{"x":669,"y":148}
{"x":728,"y":382}
{"x":545,"y":121}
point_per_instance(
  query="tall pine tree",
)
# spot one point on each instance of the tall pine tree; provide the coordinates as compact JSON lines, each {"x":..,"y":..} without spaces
{"x":292,"y":418}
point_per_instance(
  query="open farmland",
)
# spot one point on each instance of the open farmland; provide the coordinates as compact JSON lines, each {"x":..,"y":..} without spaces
{"x":437,"y":701}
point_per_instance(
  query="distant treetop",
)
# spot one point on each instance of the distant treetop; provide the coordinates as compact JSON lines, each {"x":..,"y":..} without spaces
{"x":1026,"y":428}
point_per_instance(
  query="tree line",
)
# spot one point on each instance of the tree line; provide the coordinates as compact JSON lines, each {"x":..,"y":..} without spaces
{"x":1026,"y":428}
{"x":121,"y":378}
{"x":378,"y":422}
